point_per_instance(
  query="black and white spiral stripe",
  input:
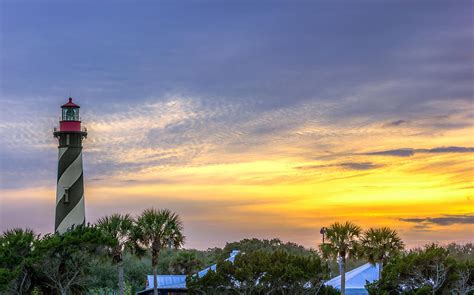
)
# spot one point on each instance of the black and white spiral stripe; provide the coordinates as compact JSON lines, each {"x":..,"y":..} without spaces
{"x":69,"y":209}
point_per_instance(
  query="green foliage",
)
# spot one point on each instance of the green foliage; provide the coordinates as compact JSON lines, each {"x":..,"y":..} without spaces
{"x":168,"y":262}
{"x":342,"y":243}
{"x":62,"y":261}
{"x":342,"y":240}
{"x":54,"y":264}
{"x":270,"y":246}
{"x":185,"y":262}
{"x":431,"y":270}
{"x":156,"y":230}
{"x":16,"y":252}
{"x":379,"y":244}
{"x":118,"y":228}
{"x":462,"y":252}
{"x":85,"y":259}
{"x":104,"y":274}
{"x":263,"y":272}
{"x":136,"y":271}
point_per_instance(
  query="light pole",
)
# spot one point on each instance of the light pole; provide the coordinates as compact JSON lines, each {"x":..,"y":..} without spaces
{"x":323,"y":232}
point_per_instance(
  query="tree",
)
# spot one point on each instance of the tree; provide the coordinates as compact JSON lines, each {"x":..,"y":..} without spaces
{"x":156,"y":230}
{"x":294,"y":274}
{"x":16,"y":251}
{"x":342,"y":242}
{"x":431,"y":270}
{"x":103,"y":274}
{"x":379,"y":244}
{"x":461,"y":252}
{"x":118,"y":228}
{"x":264,"y":272}
{"x":252,"y":245}
{"x":62,"y":261}
{"x":462,"y":279}
{"x":185,"y":262}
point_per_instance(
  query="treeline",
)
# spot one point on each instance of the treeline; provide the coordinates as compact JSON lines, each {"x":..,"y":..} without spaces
{"x":268,"y":267}
{"x":114,"y":256}
{"x":429,"y":270}
{"x":69,"y":263}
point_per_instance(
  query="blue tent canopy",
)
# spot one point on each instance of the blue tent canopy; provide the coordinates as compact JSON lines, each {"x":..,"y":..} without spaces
{"x":356,"y":279}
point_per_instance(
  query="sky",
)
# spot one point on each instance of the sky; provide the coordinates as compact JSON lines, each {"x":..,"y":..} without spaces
{"x":247,"y":118}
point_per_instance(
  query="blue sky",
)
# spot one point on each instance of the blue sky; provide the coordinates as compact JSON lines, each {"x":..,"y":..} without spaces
{"x":166,"y":85}
{"x":277,"y":53}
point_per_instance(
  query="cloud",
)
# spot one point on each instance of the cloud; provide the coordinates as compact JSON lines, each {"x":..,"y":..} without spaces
{"x":404,"y":152}
{"x":396,"y":123}
{"x":444,"y":220}
{"x":407,"y":152}
{"x":422,"y":227}
{"x":360,"y":166}
{"x":347,"y":165}
{"x":451,"y":149}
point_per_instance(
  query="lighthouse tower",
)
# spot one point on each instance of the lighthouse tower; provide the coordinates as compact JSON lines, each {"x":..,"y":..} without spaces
{"x":70,"y":188}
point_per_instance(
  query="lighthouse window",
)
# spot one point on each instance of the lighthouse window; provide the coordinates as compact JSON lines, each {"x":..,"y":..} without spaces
{"x":70,"y":114}
{"x":66,"y":195}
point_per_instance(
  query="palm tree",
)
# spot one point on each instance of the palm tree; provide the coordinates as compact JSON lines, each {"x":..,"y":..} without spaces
{"x":341,"y":243}
{"x":379,"y":244}
{"x":119,"y":228}
{"x":156,"y":230}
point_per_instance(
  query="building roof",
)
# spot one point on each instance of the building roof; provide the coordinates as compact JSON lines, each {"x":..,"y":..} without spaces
{"x":356,"y":279}
{"x":70,"y":104}
{"x":168,"y":281}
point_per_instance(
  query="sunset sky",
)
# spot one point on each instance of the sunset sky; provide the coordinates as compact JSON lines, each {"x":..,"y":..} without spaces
{"x":249,"y":119}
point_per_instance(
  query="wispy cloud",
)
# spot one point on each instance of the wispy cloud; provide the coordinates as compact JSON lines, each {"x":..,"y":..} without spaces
{"x":346,"y":165}
{"x":444,"y":220}
{"x":396,"y":123}
{"x":451,"y":149}
{"x":360,"y":166}
{"x":407,"y":152}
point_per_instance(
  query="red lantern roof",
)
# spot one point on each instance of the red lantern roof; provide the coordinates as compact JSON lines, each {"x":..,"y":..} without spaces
{"x":70,"y":104}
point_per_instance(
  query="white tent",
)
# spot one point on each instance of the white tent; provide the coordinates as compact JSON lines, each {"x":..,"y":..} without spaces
{"x":356,"y":279}
{"x":178,"y":282}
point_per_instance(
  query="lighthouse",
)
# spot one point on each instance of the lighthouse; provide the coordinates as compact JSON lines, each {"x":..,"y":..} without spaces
{"x":70,"y":183}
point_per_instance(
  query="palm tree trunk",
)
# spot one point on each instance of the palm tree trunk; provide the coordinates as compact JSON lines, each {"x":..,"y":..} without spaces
{"x":155,"y":280}
{"x":380,"y":269}
{"x":120,"y":278}
{"x":342,"y":270}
